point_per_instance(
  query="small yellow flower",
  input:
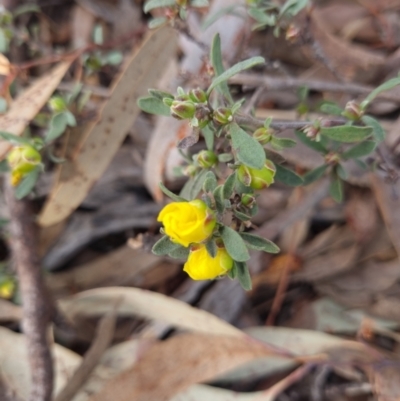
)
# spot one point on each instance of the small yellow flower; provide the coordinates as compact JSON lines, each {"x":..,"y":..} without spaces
{"x":187,"y":222}
{"x":201,"y":266}
{"x":22,"y":160}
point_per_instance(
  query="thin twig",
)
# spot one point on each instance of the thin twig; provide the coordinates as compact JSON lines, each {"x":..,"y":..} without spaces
{"x":36,"y":310}
{"x":104,"y":336}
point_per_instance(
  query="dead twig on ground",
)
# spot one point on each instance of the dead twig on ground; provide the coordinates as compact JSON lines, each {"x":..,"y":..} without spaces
{"x":36,"y":310}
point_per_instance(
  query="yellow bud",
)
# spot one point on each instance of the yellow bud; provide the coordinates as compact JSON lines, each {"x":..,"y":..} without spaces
{"x":257,"y":179}
{"x":201,"y":266}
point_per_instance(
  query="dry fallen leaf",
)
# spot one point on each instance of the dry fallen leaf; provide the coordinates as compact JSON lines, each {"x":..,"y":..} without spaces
{"x":104,"y":136}
{"x":172,"y":366}
{"x":147,"y":304}
{"x":25,"y":107}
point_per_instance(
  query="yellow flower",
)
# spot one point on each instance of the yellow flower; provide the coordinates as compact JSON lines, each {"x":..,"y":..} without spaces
{"x":22,"y":160}
{"x":201,"y":266}
{"x":187,"y":222}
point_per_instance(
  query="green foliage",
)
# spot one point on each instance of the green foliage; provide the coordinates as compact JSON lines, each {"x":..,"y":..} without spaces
{"x":377,"y":130}
{"x":243,"y":275}
{"x":390,"y":84}
{"x":27,"y":184}
{"x":219,"y":198}
{"x":211,"y":247}
{"x":170,"y":194}
{"x":194,"y":185}
{"x":361,"y":149}
{"x":164,"y":246}
{"x":314,"y":175}
{"x":229,"y":186}
{"x":317,"y":146}
{"x":152,"y":4}
{"x":260,"y":244}
{"x":287,"y":176}
{"x":347,"y":133}
{"x":210,"y":182}
{"x":14,"y":139}
{"x":234,"y":244}
{"x":336,"y":188}
{"x":154,"y":105}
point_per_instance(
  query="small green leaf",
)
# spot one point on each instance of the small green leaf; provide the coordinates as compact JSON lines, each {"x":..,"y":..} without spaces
{"x":153,"y":105}
{"x":157,"y":22}
{"x":211,"y":247}
{"x":4,"y":167}
{"x":219,"y":199}
{"x":14,"y":139}
{"x":347,"y":133}
{"x":248,"y":150}
{"x":198,"y":182}
{"x":150,"y":5}
{"x":377,"y":129}
{"x":232,"y":272}
{"x":359,"y":150}
{"x":229,"y":186}
{"x":164,"y":246}
{"x":331,"y":108}
{"x":98,"y":34}
{"x":180,"y":253}
{"x":71,"y":120}
{"x":114,"y":57}
{"x":287,"y":176}
{"x":225,"y":157}
{"x":282,"y":143}
{"x":292,"y":7}
{"x":243,"y":275}
{"x":241,"y":216}
{"x":260,"y":244}
{"x":216,"y":62}
{"x":229,"y":73}
{"x":210,"y":182}
{"x":27,"y":184}
{"x":58,"y":124}
{"x":234,"y":244}
{"x":317,"y":146}
{"x":208,"y":135}
{"x":199,"y":3}
{"x":341,"y":172}
{"x":315,"y":174}
{"x":170,"y":194}
{"x":391,"y":83}
{"x":336,"y":188}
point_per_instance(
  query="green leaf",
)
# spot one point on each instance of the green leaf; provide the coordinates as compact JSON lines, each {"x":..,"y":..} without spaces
{"x":229,"y":186}
{"x":27,"y":184}
{"x":360,"y":150}
{"x":229,"y":10}
{"x":4,"y":167}
{"x":259,"y":243}
{"x":241,"y":216}
{"x":156,"y":22}
{"x":208,"y":135}
{"x":180,"y":253}
{"x":193,"y":186}
{"x":347,"y":133}
{"x":164,"y":246}
{"x":4,"y":42}
{"x":150,"y":5}
{"x":170,"y":194}
{"x":14,"y":139}
{"x":381,"y":88}
{"x":282,"y":143}
{"x":98,"y":34}
{"x":58,"y":124}
{"x":114,"y":57}
{"x":211,"y":247}
{"x":243,"y":275}
{"x":216,"y":62}
{"x":199,"y":3}
{"x":210,"y":182}
{"x":229,"y":73}
{"x":315,"y":174}
{"x":336,"y":188}
{"x":219,"y":199}
{"x":153,"y":105}
{"x":248,"y":150}
{"x":71,"y":120}
{"x":234,"y":244}
{"x":341,"y":172}
{"x":26,"y":8}
{"x":377,"y":130}
{"x":225,"y":157}
{"x":317,"y":146}
{"x":292,"y":7}
{"x":232,"y":272}
{"x":287,"y":176}
{"x":331,"y":108}
{"x":3,"y":105}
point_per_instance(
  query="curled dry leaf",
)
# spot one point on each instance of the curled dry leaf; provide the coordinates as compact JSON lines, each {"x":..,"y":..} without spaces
{"x":147,"y":304}
{"x":173,"y":365}
{"x":25,"y":107}
{"x":103,"y":137}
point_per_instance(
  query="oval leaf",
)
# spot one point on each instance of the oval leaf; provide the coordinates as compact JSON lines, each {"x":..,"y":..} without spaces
{"x":287,"y":176}
{"x":164,"y":246}
{"x":377,"y":129}
{"x":243,"y":275}
{"x":234,"y":244}
{"x":347,"y":133}
{"x":259,"y":243}
{"x":360,"y":150}
{"x":153,"y":105}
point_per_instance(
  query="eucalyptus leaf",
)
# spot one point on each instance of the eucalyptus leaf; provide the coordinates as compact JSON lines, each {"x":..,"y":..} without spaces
{"x":27,"y":184}
{"x":260,"y":244}
{"x":153,"y":105}
{"x":347,"y":133}
{"x":170,"y":194}
{"x":315,"y":174}
{"x":234,"y":244}
{"x":150,"y":5}
{"x":359,"y":150}
{"x":317,"y":146}
{"x":248,"y":150}
{"x":235,"y":69}
{"x":287,"y":176}
{"x":243,"y":275}
{"x":377,"y":130}
{"x":229,"y":186}
{"x":164,"y":246}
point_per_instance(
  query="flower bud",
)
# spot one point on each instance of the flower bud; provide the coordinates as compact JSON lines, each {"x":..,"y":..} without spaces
{"x":222,"y":116}
{"x":313,"y":132}
{"x":353,"y":111}
{"x":190,"y":170}
{"x":168,"y":101}
{"x":248,"y":200}
{"x":22,"y":160}
{"x":257,"y":179}
{"x":183,"y":110}
{"x":292,"y":33}
{"x":198,"y":95}
{"x":332,"y":158}
{"x":57,"y":104}
{"x":262,"y":135}
{"x":207,"y":159}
